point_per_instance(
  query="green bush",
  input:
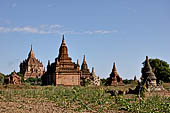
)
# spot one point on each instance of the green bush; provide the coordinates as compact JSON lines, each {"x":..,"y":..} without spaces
{"x":1,"y":78}
{"x":34,"y":81}
{"x":126,"y":81}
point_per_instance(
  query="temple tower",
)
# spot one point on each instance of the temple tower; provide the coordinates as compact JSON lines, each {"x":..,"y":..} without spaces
{"x":114,"y":78}
{"x":63,"y":71}
{"x":85,"y":73}
{"x":95,"y":80}
{"x":148,"y":76}
{"x":31,"y":67}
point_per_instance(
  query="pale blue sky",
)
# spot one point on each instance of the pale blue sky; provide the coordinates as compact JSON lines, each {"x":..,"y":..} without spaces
{"x":106,"y":31}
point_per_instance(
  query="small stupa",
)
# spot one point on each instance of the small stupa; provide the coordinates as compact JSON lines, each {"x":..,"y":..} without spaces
{"x":95,"y":80}
{"x":114,"y":78}
{"x":148,"y":76}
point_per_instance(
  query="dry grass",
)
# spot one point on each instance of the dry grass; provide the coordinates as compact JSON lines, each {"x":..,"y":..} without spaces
{"x":26,"y":98}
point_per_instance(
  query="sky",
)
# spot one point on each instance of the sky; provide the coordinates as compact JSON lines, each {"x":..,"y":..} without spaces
{"x":106,"y":31}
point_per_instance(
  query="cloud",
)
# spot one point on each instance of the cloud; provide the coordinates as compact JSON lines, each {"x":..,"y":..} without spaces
{"x":52,"y":29}
{"x":53,"y":26}
{"x":4,"y":29}
{"x":48,"y":29}
{"x":101,"y":32}
{"x":25,"y":29}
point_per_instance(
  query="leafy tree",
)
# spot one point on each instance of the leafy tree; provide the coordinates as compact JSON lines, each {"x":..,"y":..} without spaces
{"x":21,"y":75}
{"x":31,"y":80}
{"x":34,"y":81}
{"x":84,"y":82}
{"x":103,"y":81}
{"x":161,"y":69}
{"x":126,"y":81}
{"x":1,"y":78}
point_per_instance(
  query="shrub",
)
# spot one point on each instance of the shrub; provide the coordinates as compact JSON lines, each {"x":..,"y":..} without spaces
{"x":1,"y":78}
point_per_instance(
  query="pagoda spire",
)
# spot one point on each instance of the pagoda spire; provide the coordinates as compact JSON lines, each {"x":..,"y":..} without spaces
{"x":147,"y":66}
{"x":48,"y":62}
{"x":93,"y":70}
{"x":114,"y":71}
{"x":84,"y":64}
{"x":147,"y":73}
{"x":63,"y":51}
{"x":31,"y":54}
{"x":84,"y":60}
{"x":77,"y":62}
{"x":114,"y":67}
{"x":31,"y":47}
{"x":63,"y":41}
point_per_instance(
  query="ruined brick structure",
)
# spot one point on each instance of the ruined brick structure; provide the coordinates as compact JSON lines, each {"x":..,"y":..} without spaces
{"x":94,"y":79}
{"x":114,"y":78}
{"x":85,"y":73}
{"x":14,"y":79}
{"x":31,"y":67}
{"x":63,"y":71}
{"x":148,"y":76}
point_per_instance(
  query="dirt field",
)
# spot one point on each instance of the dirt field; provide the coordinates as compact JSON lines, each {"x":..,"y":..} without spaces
{"x":38,"y":99}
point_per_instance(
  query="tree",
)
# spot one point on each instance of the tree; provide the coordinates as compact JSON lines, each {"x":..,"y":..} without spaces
{"x":103,"y":81}
{"x":161,"y":69}
{"x":1,"y":78}
{"x":21,"y":75}
{"x":126,"y":81}
{"x":34,"y":81}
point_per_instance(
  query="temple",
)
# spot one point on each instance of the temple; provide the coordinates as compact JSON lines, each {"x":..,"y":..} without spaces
{"x":94,"y":79}
{"x":13,"y":79}
{"x":85,"y":73}
{"x":63,"y":71}
{"x":31,"y":67}
{"x":148,"y":76}
{"x":114,"y":78}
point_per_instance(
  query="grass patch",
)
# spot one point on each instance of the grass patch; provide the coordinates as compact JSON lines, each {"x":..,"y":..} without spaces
{"x":88,"y":99}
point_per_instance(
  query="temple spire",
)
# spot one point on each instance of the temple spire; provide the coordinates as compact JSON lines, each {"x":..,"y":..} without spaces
{"x":147,"y":64}
{"x":77,"y":62}
{"x":93,"y":70}
{"x":114,"y":67}
{"x":63,"y":41}
{"x":31,"y":54}
{"x":84,"y":60}
{"x":147,"y":74}
{"x":48,"y":62}
{"x":31,"y":47}
{"x":84,"y":64}
{"x":63,"y":52}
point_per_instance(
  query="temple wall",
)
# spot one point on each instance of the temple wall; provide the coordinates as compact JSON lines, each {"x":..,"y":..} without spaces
{"x":69,"y":80}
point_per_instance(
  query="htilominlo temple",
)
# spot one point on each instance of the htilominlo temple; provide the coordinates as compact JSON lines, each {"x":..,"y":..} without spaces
{"x":31,"y":67}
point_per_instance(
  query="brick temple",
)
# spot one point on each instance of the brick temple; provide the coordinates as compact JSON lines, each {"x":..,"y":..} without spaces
{"x":63,"y":71}
{"x":85,"y":73}
{"x":31,"y":67}
{"x":114,"y":78}
{"x":148,"y":75}
{"x":14,"y":79}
